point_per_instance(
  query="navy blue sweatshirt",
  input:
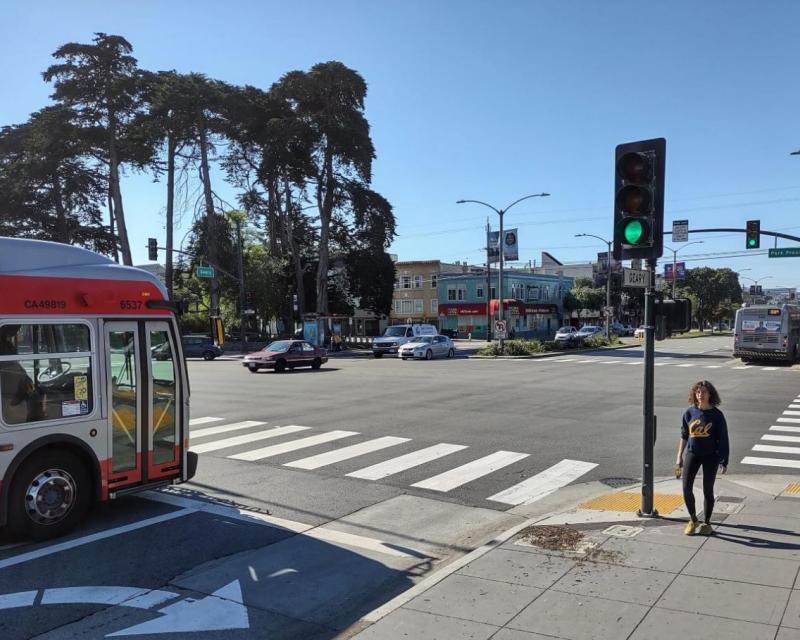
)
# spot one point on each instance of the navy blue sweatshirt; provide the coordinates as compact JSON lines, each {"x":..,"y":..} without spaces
{"x":706,"y":432}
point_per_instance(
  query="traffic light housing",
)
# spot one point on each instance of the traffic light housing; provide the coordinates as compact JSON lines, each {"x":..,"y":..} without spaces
{"x":753,"y":232}
{"x":676,"y":314}
{"x":152,"y":249}
{"x":639,"y":199}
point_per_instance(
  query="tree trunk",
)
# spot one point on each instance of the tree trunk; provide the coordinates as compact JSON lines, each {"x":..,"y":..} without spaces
{"x":272,"y":215}
{"x":296,"y":258}
{"x":62,"y":232}
{"x":111,"y":226}
{"x":170,"y":210}
{"x":116,"y":193}
{"x":211,"y":230}
{"x":325,"y":205}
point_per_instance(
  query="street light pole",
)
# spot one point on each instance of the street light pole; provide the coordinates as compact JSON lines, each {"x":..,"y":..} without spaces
{"x":500,"y":213}
{"x":674,"y":262}
{"x":608,"y":279}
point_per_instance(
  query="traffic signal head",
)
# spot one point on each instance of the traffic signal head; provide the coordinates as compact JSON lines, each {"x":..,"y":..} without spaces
{"x":639,"y":199}
{"x":753,"y":233}
{"x":152,"y":249}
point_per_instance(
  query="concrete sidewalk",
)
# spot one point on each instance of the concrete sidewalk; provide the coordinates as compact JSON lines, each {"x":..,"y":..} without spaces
{"x":583,"y":574}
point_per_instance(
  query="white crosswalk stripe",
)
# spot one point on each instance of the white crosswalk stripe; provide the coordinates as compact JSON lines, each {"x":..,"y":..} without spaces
{"x":236,"y":441}
{"x":544,"y":483}
{"x":791,"y":413}
{"x":345,"y":453}
{"x":470,"y":471}
{"x":781,"y":438}
{"x":772,"y":462}
{"x":292,"y":445}
{"x":224,"y":428}
{"x":205,"y":420}
{"x":407,"y":461}
{"x":778,"y":427}
{"x":769,"y":448}
{"x":792,"y":420}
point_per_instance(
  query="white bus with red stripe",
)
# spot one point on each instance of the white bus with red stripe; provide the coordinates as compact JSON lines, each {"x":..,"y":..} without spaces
{"x":94,"y":395}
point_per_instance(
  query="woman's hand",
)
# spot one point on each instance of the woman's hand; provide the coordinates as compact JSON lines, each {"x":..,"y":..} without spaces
{"x":723,"y":469}
{"x":679,"y":461}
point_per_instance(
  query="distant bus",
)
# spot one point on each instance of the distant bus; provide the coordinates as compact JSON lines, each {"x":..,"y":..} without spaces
{"x":767,"y":332}
{"x":94,"y":395}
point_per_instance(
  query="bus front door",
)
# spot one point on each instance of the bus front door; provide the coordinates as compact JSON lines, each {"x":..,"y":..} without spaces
{"x":144,"y":404}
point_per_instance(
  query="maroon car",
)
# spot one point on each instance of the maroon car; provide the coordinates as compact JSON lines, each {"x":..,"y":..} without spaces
{"x":286,"y":354}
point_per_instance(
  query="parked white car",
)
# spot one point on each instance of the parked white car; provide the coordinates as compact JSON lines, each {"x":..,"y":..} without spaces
{"x":397,"y":335}
{"x":427,"y":348}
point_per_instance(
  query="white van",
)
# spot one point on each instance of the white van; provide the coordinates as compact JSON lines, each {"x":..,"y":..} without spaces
{"x":399,"y":334}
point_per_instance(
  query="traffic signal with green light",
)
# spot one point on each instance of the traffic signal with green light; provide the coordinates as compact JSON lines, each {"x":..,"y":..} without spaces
{"x":639,"y":199}
{"x":753,"y":234}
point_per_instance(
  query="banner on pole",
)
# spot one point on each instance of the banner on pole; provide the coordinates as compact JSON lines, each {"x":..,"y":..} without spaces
{"x":510,"y":246}
{"x":678,"y":274}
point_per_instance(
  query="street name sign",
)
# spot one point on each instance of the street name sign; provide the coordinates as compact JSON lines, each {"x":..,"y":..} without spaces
{"x":680,"y":231}
{"x":635,"y":278}
{"x":205,"y":272}
{"x":785,"y":252}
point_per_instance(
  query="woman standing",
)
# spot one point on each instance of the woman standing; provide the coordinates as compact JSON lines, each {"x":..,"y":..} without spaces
{"x":703,"y":443}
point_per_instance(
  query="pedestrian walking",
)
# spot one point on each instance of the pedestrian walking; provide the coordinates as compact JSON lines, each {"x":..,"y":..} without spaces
{"x":704,"y":443}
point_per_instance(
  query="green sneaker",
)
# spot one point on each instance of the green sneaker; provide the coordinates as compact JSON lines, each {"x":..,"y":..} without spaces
{"x":705,"y":529}
{"x":691,"y":527}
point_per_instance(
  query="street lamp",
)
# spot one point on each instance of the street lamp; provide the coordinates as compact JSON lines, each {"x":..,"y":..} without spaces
{"x":674,"y":258}
{"x":500,"y":213}
{"x":608,"y":278}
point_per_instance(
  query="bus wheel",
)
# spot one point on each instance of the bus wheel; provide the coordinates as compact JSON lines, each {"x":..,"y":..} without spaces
{"x":50,"y":494}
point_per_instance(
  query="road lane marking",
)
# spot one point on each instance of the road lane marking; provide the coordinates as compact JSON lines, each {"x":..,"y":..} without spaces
{"x":793,"y":420}
{"x":713,"y":366}
{"x":254,"y":517}
{"x":791,"y":413}
{"x":225,"y":428}
{"x":585,"y":361}
{"x":778,"y":427}
{"x":20,"y":599}
{"x":769,"y":448}
{"x":345,"y":453}
{"x":245,"y":439}
{"x":94,"y":537}
{"x":563,"y":359}
{"x":544,"y":483}
{"x":794,"y":406}
{"x":742,"y":367}
{"x":205,"y":420}
{"x":772,"y":462}
{"x":781,"y":438}
{"x":407,"y":461}
{"x":770,"y":369}
{"x":470,"y":471}
{"x":292,"y":445}
{"x":104,"y":595}
{"x":633,"y":363}
{"x":684,"y":365}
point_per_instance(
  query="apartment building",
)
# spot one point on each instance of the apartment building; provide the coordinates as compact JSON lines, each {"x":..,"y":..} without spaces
{"x":416,"y":290}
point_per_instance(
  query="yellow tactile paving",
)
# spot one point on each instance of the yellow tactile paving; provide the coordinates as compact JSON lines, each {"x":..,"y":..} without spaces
{"x":664,"y":503}
{"x":793,"y":488}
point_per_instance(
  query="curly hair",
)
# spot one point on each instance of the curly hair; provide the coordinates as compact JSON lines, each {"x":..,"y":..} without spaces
{"x":713,"y":396}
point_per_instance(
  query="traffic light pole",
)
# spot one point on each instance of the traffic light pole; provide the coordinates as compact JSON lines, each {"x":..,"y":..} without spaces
{"x":648,"y":405}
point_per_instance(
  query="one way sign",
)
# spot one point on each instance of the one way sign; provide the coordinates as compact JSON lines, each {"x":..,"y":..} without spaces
{"x":635,"y":278}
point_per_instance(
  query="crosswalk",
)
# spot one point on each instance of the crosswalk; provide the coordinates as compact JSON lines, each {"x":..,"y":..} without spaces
{"x":635,"y":361}
{"x":786,"y":432}
{"x":225,"y":437}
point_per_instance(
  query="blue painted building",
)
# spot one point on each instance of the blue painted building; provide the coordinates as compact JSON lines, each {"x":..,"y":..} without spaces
{"x":533,"y":303}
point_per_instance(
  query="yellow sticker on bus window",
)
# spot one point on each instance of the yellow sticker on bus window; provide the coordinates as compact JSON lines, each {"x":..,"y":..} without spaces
{"x":81,"y":388}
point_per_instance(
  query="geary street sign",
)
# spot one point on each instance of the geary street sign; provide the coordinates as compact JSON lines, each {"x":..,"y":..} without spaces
{"x":635,"y":278}
{"x":785,"y":252}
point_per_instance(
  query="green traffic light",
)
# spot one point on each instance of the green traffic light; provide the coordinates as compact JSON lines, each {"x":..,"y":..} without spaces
{"x":633,"y":232}
{"x":751,"y":242}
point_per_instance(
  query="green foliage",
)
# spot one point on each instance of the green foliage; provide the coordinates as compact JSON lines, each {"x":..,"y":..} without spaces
{"x":715,"y":293}
{"x":584,"y":297}
{"x":599,"y":341}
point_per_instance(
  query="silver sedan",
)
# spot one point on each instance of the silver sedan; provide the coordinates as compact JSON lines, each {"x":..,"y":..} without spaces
{"x":428,"y":347}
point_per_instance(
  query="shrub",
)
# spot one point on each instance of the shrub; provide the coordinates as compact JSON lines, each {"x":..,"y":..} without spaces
{"x":600,"y":341}
{"x":514,"y":348}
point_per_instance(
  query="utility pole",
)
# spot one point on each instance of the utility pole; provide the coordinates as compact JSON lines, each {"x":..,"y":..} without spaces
{"x":488,"y":285}
{"x":243,"y":334}
{"x":648,"y":405}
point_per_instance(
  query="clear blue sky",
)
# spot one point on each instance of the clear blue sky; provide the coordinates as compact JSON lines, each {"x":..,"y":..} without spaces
{"x":492,"y":101}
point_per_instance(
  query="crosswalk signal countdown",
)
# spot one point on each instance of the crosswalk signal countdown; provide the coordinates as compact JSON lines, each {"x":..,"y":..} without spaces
{"x":639,"y":199}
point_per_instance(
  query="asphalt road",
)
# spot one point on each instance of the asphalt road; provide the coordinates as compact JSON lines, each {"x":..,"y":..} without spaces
{"x":322,"y":509}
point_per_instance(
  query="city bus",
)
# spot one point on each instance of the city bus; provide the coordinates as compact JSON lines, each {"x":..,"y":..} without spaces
{"x":87,"y":411}
{"x":769,"y":332}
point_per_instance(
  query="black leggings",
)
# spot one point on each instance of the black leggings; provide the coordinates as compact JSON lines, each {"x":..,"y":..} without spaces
{"x":691,"y":465}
